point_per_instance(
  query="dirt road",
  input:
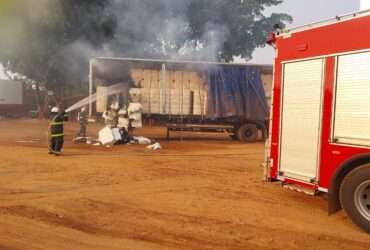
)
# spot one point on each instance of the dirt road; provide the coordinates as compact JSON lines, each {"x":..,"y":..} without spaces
{"x":193,"y":194}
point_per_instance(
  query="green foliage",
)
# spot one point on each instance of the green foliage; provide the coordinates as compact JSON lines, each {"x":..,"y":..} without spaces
{"x":246,"y":24}
{"x":36,"y":35}
{"x":51,"y":41}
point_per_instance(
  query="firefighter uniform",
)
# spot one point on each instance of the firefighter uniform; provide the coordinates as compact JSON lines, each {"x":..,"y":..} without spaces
{"x":83,"y":120}
{"x":57,"y":132}
{"x":111,"y":118}
{"x":123,"y":125}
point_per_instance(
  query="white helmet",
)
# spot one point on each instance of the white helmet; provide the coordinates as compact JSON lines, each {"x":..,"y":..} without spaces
{"x":55,"y":110}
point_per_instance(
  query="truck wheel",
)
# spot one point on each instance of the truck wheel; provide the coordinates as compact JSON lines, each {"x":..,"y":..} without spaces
{"x":354,"y":196}
{"x":248,"y":133}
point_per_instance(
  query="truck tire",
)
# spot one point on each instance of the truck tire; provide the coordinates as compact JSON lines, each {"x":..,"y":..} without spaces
{"x":354,"y":195}
{"x":247,"y":133}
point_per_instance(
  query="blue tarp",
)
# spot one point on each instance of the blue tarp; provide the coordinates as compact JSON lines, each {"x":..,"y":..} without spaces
{"x":236,"y":92}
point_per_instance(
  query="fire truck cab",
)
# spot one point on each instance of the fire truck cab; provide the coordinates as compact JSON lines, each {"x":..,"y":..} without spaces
{"x":320,"y":114}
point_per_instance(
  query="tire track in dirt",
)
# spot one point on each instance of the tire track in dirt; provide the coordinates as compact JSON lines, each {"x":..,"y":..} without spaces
{"x":3,"y":247}
{"x":193,"y":194}
{"x":210,"y":233}
{"x":50,"y":218}
{"x":157,"y":227}
{"x":159,"y":235}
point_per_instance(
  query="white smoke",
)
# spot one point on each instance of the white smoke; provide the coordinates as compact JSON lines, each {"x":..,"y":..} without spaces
{"x":3,"y":75}
{"x":140,"y":31}
{"x":214,"y":38}
{"x":163,"y":35}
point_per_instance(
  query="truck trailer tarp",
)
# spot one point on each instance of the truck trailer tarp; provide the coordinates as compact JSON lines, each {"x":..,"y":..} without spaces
{"x":236,"y":92}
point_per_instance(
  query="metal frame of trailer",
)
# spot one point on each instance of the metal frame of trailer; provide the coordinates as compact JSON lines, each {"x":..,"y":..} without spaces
{"x":198,"y":128}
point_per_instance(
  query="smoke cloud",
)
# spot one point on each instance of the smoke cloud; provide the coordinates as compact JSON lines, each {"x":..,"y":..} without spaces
{"x":149,"y":33}
{"x":128,"y":28}
{"x":162,"y":31}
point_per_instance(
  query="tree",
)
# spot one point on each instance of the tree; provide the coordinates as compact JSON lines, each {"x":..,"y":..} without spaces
{"x":52,"y":41}
{"x":244,"y":22}
{"x":193,"y":29}
{"x":36,"y":35}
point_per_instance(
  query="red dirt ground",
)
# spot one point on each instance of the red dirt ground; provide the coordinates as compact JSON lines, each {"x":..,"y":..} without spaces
{"x":201,"y":192}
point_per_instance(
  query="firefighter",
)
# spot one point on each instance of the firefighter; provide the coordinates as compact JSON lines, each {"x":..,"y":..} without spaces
{"x":111,"y":116}
{"x":82,"y":118}
{"x":123,"y":125}
{"x":57,"y":120}
{"x":114,"y":113}
{"x":135,"y":109}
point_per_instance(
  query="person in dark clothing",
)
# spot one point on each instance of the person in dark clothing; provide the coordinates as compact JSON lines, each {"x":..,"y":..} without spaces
{"x":57,"y":131}
{"x":83,"y":120}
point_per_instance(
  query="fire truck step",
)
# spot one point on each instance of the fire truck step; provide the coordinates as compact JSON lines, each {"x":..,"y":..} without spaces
{"x":298,"y":188}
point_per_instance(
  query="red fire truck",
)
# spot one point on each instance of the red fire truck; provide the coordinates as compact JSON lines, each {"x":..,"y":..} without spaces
{"x":320,"y":122}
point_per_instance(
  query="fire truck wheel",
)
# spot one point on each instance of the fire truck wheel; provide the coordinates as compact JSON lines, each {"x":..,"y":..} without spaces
{"x":248,"y":133}
{"x":355,"y":196}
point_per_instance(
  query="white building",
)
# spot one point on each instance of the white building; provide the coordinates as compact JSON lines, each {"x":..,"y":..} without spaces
{"x":11,"y":92}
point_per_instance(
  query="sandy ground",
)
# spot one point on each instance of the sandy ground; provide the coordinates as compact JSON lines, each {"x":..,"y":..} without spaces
{"x":196,"y":193}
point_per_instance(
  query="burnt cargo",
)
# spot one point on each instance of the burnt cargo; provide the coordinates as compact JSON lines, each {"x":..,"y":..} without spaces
{"x":196,"y":92}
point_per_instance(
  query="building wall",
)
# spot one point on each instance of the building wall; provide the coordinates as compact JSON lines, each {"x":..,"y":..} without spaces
{"x":15,"y":100}
{"x":11,"y":92}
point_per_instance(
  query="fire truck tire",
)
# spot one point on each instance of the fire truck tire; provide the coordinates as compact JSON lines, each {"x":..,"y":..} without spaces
{"x":354,"y":196}
{"x":247,"y":133}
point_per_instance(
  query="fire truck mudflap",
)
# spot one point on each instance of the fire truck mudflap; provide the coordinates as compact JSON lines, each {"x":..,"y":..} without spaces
{"x":320,"y":119}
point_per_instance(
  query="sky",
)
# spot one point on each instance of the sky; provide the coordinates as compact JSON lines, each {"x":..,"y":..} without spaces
{"x":304,"y":12}
{"x":365,"y":4}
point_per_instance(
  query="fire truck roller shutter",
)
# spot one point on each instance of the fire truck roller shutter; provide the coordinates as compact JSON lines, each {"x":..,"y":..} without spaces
{"x":301,"y":119}
{"x":352,"y":104}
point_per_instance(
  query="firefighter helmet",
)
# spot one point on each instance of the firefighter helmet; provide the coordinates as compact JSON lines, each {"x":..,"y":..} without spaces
{"x":55,"y":110}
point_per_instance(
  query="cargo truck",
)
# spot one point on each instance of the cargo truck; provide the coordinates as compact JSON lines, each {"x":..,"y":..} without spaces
{"x":186,"y":95}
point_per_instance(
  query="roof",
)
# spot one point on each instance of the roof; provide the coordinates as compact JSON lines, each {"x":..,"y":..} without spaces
{"x":116,"y":69}
{"x":326,"y":22}
{"x":175,"y":61}
{"x":179,"y":64}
